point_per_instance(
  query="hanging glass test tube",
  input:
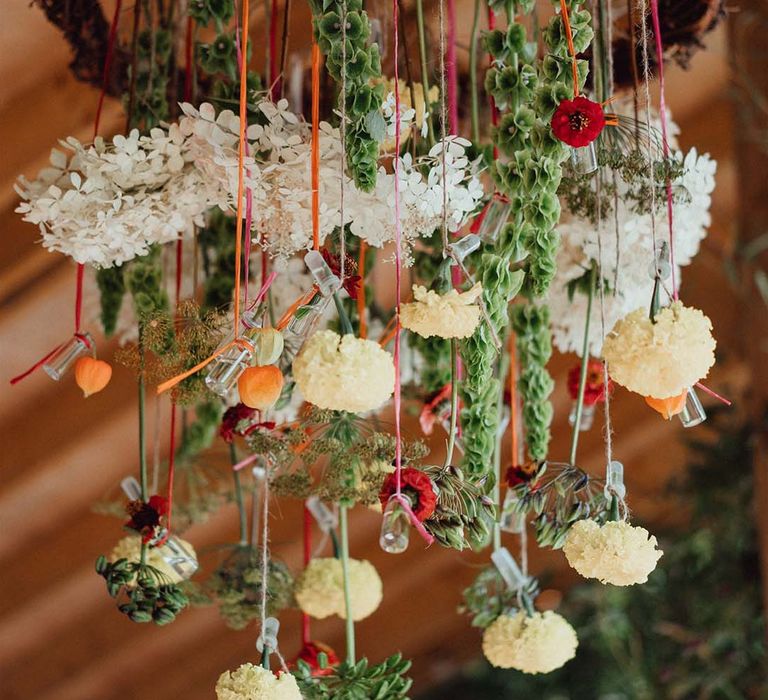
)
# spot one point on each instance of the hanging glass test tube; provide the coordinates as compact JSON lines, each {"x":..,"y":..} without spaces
{"x":77,"y":346}
{"x":511,"y":520}
{"x":587,"y":415}
{"x":173,"y":551}
{"x":693,"y":412}
{"x":227,"y":368}
{"x":465,"y":245}
{"x":584,"y":159}
{"x":395,"y":527}
{"x":495,"y":215}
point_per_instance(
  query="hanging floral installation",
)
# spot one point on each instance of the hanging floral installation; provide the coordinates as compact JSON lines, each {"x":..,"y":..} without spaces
{"x":237,"y":246}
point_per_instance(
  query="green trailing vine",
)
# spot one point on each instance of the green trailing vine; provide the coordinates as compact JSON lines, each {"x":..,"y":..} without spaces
{"x":480,"y":388}
{"x":356,"y":681}
{"x":534,"y":345}
{"x":366,"y":127}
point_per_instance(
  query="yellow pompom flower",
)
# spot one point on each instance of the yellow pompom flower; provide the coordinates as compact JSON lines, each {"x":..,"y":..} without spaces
{"x":538,"y":643}
{"x":616,"y":552}
{"x":320,"y":589}
{"x":450,"y":315}
{"x":251,"y":682}
{"x":664,"y":358}
{"x":344,"y":373}
{"x":130,"y":548}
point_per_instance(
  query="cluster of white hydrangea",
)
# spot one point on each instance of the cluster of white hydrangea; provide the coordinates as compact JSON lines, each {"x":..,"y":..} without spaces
{"x":537,"y":643}
{"x":319,"y":589}
{"x":450,"y":315}
{"x":664,"y":357}
{"x":627,"y":253}
{"x":615,"y":552}
{"x":344,"y":373}
{"x":250,"y":682}
{"x":107,"y":203}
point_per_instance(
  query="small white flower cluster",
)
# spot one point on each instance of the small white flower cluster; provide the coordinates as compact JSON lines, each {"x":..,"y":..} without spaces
{"x":278,"y":176}
{"x":627,"y":254}
{"x":109,"y":202}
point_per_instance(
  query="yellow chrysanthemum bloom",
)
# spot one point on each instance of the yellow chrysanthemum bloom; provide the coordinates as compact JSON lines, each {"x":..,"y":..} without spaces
{"x":130,"y":548}
{"x":251,"y":682}
{"x":344,"y":373}
{"x":450,"y":315}
{"x":538,"y":643}
{"x":664,"y":358}
{"x":616,"y":552}
{"x":320,"y":589}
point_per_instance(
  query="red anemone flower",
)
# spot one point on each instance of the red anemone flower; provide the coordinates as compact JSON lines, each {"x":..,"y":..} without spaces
{"x":233,"y":416}
{"x":578,"y":122}
{"x":145,"y":518}
{"x":309,"y":655}
{"x":517,"y":474}
{"x":594,"y":389}
{"x":351,"y":282}
{"x":414,"y":485}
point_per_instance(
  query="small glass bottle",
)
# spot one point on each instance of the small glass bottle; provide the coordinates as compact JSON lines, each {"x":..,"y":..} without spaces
{"x":511,"y":520}
{"x":693,"y":412}
{"x":328,"y":284}
{"x":395,"y":527}
{"x":584,"y":159}
{"x":464,"y":246}
{"x":587,"y":415}
{"x":79,"y":345}
{"x":324,"y":517}
{"x":268,"y":637}
{"x":227,"y":368}
{"x":660,"y":268}
{"x":495,"y":216}
{"x":614,"y":481}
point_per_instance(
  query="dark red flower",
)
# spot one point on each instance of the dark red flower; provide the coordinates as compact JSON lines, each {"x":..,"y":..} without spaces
{"x":232,"y":419}
{"x":594,"y":389}
{"x":146,"y":518}
{"x":351,"y":282}
{"x":578,"y":122}
{"x":433,"y":409}
{"x":309,"y":655}
{"x":416,"y":486}
{"x":517,"y":474}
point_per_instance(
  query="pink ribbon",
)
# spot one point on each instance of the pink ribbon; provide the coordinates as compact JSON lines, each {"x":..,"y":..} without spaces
{"x":714,"y":394}
{"x":402,"y":500}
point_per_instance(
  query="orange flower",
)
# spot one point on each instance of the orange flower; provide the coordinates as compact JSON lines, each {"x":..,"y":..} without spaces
{"x":92,"y":375}
{"x":668,"y":407}
{"x":260,"y":387}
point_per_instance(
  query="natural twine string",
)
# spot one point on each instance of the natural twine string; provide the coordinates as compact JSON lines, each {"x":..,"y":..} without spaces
{"x":342,"y":133}
{"x":443,"y":125}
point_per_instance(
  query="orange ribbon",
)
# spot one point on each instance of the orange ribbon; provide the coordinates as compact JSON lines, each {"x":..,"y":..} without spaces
{"x":291,"y":310}
{"x":571,"y":47}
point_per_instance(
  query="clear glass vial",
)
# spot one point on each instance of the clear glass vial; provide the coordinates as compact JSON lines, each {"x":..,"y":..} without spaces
{"x":495,"y":216}
{"x":584,"y":159}
{"x":79,"y":345}
{"x":587,"y":415}
{"x":511,"y":520}
{"x":693,"y":412}
{"x":395,"y":527}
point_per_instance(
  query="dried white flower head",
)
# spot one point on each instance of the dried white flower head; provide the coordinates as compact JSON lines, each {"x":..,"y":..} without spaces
{"x":663,"y":357}
{"x":109,"y":202}
{"x":250,"y":682}
{"x":616,"y":552}
{"x":344,"y":373}
{"x":450,"y":315}
{"x":319,"y":589}
{"x":538,"y":643}
{"x":130,"y":548}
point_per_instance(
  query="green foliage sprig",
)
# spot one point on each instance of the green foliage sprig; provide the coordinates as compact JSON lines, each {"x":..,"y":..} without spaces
{"x":235,"y":586}
{"x":489,"y":597}
{"x":366,"y":127}
{"x":357,"y":681}
{"x":111,"y":283}
{"x":534,"y":346}
{"x":150,"y":596}
{"x":463,"y":516}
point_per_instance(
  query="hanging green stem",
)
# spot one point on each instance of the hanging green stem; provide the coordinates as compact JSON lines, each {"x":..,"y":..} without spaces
{"x":239,"y":498}
{"x":584,"y":363}
{"x":454,"y":401}
{"x":345,"y":325}
{"x":496,"y":494}
{"x":350,"y":624}
{"x":424,"y":73}
{"x":473,"y":74}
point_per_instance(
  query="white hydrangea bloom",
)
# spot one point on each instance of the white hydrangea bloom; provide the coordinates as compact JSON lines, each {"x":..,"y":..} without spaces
{"x":250,"y":682}
{"x":107,"y":203}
